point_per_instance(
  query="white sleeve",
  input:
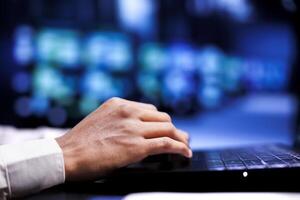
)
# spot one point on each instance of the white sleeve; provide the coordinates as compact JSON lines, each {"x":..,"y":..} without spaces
{"x":29,"y":167}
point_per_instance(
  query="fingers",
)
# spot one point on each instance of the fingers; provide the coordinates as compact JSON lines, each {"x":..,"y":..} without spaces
{"x":163,"y":129}
{"x":155,"y":124}
{"x":185,"y":134}
{"x":154,"y":116}
{"x":167,"y":145}
{"x":143,"y":111}
{"x":138,"y":104}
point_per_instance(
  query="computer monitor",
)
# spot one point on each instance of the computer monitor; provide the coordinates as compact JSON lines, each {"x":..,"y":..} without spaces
{"x":203,"y":61}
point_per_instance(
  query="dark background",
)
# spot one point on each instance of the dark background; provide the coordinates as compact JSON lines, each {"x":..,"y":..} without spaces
{"x":253,"y":33}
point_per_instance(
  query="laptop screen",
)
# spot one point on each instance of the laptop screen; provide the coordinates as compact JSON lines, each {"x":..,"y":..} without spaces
{"x":220,"y":67}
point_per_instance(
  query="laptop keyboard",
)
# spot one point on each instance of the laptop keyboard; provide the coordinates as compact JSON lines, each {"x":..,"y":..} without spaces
{"x":252,"y":158}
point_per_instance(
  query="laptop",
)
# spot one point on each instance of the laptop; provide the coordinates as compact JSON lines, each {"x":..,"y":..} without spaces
{"x":271,"y":167}
{"x":261,"y":167}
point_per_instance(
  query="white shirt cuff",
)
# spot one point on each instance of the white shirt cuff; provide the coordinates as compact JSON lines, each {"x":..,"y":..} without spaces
{"x":32,"y":166}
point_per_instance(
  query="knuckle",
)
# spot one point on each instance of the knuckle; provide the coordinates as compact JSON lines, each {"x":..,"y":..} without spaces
{"x":114,"y":100}
{"x":124,"y":110}
{"x":171,"y":128}
{"x":123,"y":126}
{"x":165,"y":143}
{"x":173,"y":134}
{"x":167,"y":116}
{"x":152,"y":106}
{"x":129,"y":126}
{"x":135,"y":111}
{"x":140,"y":148}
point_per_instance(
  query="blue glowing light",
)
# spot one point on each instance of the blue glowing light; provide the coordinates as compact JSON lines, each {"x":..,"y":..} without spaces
{"x":108,"y":50}
{"x":119,"y":57}
{"x":152,"y":57}
{"x":265,"y":75}
{"x":176,"y":83}
{"x":181,"y":56}
{"x":39,"y":105}
{"x":137,"y":15}
{"x":232,"y":74}
{"x":210,"y":97}
{"x":268,"y":57}
{"x":98,"y":85}
{"x":50,"y":82}
{"x":149,"y":85}
{"x":58,"y":46}
{"x":23,"y":49}
{"x":209,"y":61}
{"x":271,"y":41}
{"x":21,"y":82}
{"x":179,"y":76}
{"x":87,"y":105}
{"x":211,"y":68}
{"x":240,"y":10}
{"x":179,"y":90}
{"x":178,"y":86}
{"x":95,"y":50}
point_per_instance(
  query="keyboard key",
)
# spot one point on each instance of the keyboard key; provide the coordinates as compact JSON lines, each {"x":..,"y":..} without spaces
{"x":284,"y":156}
{"x":254,"y":164}
{"x":215,"y":162}
{"x":248,"y":157}
{"x":252,"y":158}
{"x":268,"y":158}
{"x":215,"y":165}
{"x":276,"y":163}
{"x":292,"y":162}
{"x":234,"y":164}
{"x":229,"y":156}
{"x":213,"y":156}
{"x":295,"y":155}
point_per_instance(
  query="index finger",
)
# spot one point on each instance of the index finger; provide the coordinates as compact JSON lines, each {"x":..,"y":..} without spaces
{"x":139,"y":104}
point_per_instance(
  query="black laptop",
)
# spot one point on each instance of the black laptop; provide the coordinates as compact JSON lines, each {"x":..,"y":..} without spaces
{"x":264,"y":167}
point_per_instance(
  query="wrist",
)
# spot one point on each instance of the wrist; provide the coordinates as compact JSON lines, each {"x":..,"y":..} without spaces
{"x":69,"y":155}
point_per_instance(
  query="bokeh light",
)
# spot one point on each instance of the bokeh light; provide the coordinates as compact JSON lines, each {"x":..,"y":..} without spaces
{"x":21,"y":82}
{"x":23,"y":48}
{"x":58,"y":46}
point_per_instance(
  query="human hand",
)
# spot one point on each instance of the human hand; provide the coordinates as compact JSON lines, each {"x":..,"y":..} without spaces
{"x":118,"y":133}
